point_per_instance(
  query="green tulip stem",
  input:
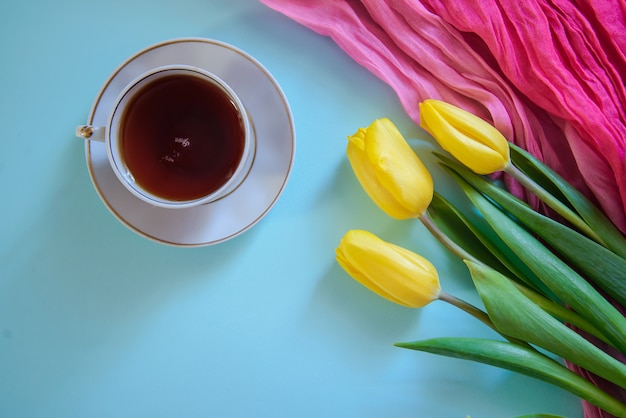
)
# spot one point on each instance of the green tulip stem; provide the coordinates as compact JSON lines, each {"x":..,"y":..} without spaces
{"x":460,"y":252}
{"x":551,"y":201}
{"x":444,"y":239}
{"x":479,"y":314}
{"x":467,"y":307}
{"x":463,"y":255}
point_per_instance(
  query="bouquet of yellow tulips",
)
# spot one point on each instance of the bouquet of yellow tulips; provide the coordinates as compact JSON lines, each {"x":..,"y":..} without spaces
{"x":547,"y":286}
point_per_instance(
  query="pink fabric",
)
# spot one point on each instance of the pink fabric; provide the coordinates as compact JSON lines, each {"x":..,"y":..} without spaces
{"x":549,"y":75}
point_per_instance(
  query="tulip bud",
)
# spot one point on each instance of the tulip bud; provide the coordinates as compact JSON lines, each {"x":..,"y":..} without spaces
{"x":392,"y":272}
{"x":470,"y":139}
{"x":389,"y":170}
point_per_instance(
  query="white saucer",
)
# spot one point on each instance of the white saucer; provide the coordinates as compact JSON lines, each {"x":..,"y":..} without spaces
{"x":271,"y":121}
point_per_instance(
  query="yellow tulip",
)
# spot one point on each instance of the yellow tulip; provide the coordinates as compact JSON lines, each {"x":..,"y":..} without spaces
{"x":470,"y":139}
{"x":389,"y":170}
{"x":388,"y":270}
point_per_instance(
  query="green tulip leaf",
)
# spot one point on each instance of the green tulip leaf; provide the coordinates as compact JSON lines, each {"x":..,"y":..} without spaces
{"x":610,"y":236}
{"x":541,"y":416}
{"x":465,"y":233}
{"x":600,"y":265}
{"x":481,"y":242}
{"x":519,"y":360}
{"x":516,"y":315}
{"x":562,"y":313}
{"x":555,"y":273}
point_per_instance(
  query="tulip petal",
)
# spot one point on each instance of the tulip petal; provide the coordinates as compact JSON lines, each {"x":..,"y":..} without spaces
{"x":390,"y":271}
{"x":380,"y":261}
{"x":366,"y":257}
{"x":397,"y":167}
{"x":479,"y":147}
{"x":368,"y":179}
{"x":365,"y":281}
{"x":471,"y":126}
{"x":389,"y":170}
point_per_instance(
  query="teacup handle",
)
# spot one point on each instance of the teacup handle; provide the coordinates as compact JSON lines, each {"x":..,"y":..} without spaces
{"x":92,"y":133}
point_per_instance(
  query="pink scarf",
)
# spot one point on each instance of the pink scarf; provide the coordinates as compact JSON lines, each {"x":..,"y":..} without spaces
{"x":549,"y":75}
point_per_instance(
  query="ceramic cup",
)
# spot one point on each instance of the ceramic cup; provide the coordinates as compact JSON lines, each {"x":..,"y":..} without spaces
{"x":176,"y":137}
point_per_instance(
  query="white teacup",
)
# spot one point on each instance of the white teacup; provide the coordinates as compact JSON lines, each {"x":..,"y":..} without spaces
{"x":177,"y":136}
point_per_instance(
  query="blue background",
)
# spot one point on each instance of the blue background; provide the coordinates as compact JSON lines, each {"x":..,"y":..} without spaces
{"x":97,"y":321}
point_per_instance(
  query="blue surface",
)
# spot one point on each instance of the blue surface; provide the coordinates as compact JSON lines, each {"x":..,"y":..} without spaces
{"x":96,"y":321}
